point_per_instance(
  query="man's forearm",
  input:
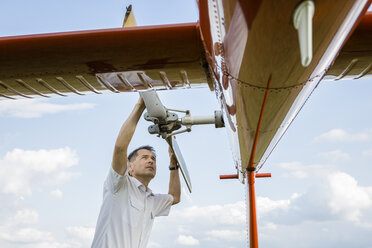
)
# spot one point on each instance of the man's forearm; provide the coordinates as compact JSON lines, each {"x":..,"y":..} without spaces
{"x":175,"y":184}
{"x":119,"y":161}
{"x":129,"y":126}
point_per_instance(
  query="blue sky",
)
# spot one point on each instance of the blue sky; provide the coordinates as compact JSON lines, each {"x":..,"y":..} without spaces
{"x":55,"y":154}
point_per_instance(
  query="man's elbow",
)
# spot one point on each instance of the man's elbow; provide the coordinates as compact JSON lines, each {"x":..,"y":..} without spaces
{"x":176,"y":200}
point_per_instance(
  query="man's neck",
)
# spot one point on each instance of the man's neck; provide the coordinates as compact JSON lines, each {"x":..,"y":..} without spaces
{"x":144,"y":180}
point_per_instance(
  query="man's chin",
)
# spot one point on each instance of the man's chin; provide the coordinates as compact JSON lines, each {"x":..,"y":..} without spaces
{"x":150,"y":171}
{"x":150,"y":174}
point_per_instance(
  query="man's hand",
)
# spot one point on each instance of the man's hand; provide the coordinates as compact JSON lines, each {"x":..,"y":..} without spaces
{"x":141,"y":103}
{"x":172,"y":157}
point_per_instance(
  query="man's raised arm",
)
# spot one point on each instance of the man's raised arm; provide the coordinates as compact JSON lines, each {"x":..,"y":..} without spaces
{"x":119,"y":160}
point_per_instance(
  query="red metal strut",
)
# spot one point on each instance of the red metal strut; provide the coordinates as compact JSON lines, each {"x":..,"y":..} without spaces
{"x":253,"y":237}
{"x":236,"y":176}
{"x":250,"y":175}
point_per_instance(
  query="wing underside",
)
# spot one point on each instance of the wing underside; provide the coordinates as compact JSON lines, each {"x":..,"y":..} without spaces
{"x":117,"y":60}
{"x":355,"y":58}
{"x":255,"y":54}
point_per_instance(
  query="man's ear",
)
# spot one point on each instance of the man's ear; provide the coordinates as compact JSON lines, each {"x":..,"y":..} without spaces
{"x":130,"y":168}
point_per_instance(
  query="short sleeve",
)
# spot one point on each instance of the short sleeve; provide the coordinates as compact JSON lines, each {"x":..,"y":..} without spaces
{"x":115,"y":181}
{"x":162,"y":204}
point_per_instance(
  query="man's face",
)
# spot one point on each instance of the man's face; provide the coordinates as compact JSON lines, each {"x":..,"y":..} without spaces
{"x":144,"y":164}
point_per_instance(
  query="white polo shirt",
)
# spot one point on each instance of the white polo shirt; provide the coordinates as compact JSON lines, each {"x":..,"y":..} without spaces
{"x":127,"y":212}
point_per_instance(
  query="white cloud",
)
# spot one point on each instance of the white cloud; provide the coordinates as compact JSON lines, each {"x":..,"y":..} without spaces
{"x":56,"y":193}
{"x":51,"y":244}
{"x":346,"y":197}
{"x":31,"y":238}
{"x":228,"y":235}
{"x":83,"y":235}
{"x":340,"y":135}
{"x":266,"y":205}
{"x":33,"y":108}
{"x":153,"y":244}
{"x":187,"y":240}
{"x":334,"y":155}
{"x":26,"y":216}
{"x":296,"y":168}
{"x":228,"y":214}
{"x":300,"y":171}
{"x":25,"y":235}
{"x":23,"y":171}
{"x":333,"y":195}
{"x":232,"y":214}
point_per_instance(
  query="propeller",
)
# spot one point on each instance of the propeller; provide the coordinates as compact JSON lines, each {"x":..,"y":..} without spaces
{"x":166,"y":123}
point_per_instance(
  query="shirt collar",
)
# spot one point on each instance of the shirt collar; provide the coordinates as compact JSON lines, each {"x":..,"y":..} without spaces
{"x":142,"y":187}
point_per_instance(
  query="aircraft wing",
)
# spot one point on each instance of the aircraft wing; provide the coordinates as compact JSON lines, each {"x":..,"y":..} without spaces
{"x":355,"y":58}
{"x":119,"y":60}
{"x":255,"y":53}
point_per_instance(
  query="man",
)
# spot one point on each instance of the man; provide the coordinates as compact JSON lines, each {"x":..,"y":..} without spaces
{"x":129,"y":206}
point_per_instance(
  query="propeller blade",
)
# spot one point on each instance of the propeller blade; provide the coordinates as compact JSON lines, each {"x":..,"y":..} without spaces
{"x":181,"y":162}
{"x":153,"y":104}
